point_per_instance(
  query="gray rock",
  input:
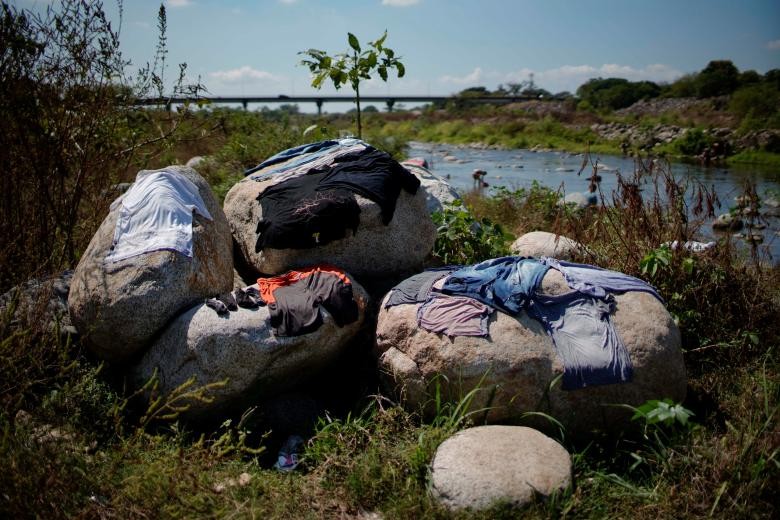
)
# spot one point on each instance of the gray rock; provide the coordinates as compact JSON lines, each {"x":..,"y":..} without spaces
{"x":579,"y":200}
{"x":120,"y":306}
{"x":478,"y":467}
{"x":542,"y":243}
{"x":194,"y":162}
{"x":727,"y":221}
{"x":518,"y":369}
{"x":438,"y":192}
{"x":375,"y":250}
{"x":242,"y":349}
{"x":41,"y":302}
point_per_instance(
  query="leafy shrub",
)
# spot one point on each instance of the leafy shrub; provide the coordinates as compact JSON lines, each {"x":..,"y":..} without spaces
{"x":462,"y":239}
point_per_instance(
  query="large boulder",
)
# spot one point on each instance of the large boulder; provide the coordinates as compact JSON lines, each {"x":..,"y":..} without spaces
{"x":438,"y":191}
{"x":542,"y":243}
{"x":120,"y":306}
{"x":517,"y":368}
{"x":479,"y":467}
{"x":241,"y":349}
{"x":375,"y":250}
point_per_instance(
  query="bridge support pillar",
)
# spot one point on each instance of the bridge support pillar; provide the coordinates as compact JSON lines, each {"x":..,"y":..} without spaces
{"x":319,"y":107}
{"x":245,"y":103}
{"x":390,"y":103}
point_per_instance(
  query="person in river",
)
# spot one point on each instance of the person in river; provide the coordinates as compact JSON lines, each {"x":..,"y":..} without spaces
{"x":479,"y":178}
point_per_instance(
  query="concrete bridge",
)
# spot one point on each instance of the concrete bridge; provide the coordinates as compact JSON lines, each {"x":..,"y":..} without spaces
{"x":390,"y":101}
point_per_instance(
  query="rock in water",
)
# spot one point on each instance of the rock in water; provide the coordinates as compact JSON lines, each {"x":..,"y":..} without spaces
{"x":478,"y":467}
{"x":518,"y":369}
{"x":242,"y":349}
{"x":375,"y":250}
{"x":542,"y":243}
{"x":120,"y":306}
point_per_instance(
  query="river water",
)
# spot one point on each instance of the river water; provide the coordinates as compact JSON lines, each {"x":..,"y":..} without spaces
{"x":515,"y":169}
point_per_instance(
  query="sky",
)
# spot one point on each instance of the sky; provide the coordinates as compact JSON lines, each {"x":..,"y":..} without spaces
{"x":251,"y":48}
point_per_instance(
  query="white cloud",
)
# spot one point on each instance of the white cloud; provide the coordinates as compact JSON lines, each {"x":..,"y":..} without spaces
{"x":475,"y":76}
{"x":400,"y":3}
{"x":179,"y":3}
{"x":569,"y":77}
{"x":244,"y":74}
{"x":774,"y":45}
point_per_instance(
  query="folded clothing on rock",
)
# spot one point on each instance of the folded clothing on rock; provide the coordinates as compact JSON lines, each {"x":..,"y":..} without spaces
{"x":156,"y":214}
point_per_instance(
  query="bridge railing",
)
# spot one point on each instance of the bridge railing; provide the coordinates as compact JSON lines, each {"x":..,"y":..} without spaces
{"x":390,"y":101}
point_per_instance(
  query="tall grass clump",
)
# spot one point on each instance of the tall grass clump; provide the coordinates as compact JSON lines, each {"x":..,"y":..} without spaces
{"x":68,"y":115}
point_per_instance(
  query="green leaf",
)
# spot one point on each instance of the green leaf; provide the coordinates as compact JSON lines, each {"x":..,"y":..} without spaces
{"x":371,"y":58}
{"x":383,"y":72}
{"x":390,"y":53}
{"x":353,"y":42}
{"x":401,"y":69}
{"x":688,"y":265}
{"x":380,"y":41}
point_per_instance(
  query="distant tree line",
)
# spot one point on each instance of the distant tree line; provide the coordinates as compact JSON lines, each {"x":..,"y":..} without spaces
{"x":754,"y":97}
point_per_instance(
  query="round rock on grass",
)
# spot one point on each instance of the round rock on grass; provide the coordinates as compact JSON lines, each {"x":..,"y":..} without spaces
{"x":240,"y":350}
{"x":118,"y":307}
{"x":480,"y":467}
{"x":516,"y":369}
{"x":375,"y":250}
{"x":542,"y":243}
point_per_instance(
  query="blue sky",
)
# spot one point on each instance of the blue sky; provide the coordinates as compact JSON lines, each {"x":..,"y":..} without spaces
{"x":250,"y":47}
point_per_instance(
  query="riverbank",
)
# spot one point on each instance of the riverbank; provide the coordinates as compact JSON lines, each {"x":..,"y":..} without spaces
{"x":674,"y":136}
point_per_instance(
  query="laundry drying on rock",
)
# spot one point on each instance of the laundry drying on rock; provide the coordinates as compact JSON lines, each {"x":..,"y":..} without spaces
{"x":314,"y":201}
{"x":294,"y":299}
{"x":416,"y":289}
{"x":156,"y":214}
{"x":312,"y":149}
{"x":578,"y":322}
{"x":310,"y":161}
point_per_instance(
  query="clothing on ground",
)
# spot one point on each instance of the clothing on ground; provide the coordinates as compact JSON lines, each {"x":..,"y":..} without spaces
{"x":454,"y":315}
{"x":156,"y":214}
{"x":584,"y":338}
{"x":296,"y":307}
{"x":416,"y":289}
{"x":589,"y":279}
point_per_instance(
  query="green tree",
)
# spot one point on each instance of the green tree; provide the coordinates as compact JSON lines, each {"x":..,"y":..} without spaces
{"x":352,"y":66}
{"x":718,"y":78}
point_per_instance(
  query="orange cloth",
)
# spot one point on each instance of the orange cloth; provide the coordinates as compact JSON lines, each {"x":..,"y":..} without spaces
{"x":267,"y":286}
